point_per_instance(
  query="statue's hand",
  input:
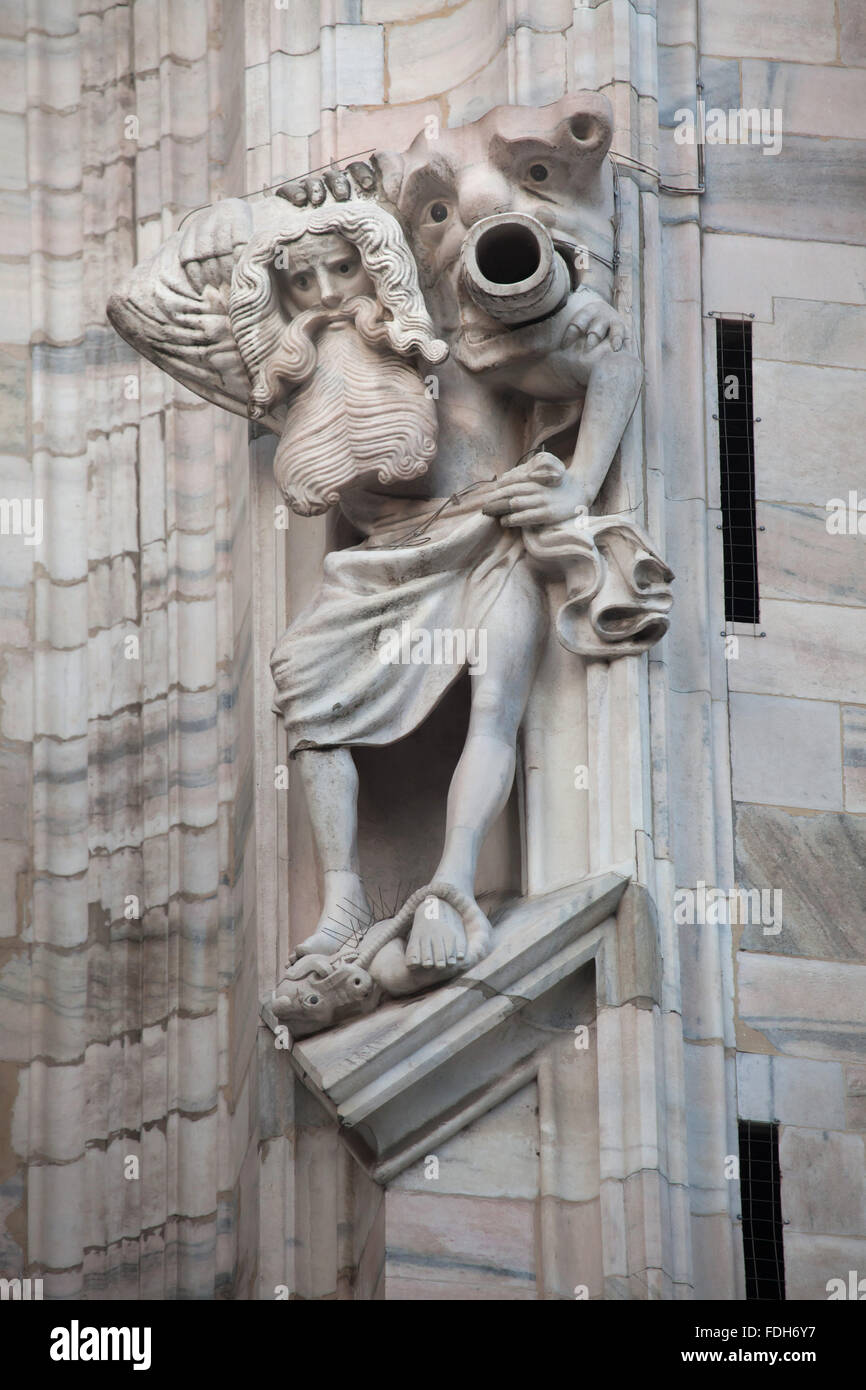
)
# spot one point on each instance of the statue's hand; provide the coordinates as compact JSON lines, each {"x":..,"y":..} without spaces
{"x":313,"y":189}
{"x":211,"y":240}
{"x":593,"y":321}
{"x":536,"y":494}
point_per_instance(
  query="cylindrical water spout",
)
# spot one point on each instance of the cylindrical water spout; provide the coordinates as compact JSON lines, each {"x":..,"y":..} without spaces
{"x":512,"y":270}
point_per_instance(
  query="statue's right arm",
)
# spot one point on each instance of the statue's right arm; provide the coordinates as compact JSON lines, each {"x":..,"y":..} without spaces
{"x":173,"y":308}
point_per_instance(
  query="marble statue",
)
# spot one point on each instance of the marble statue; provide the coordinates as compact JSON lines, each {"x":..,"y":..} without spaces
{"x":431,"y":338}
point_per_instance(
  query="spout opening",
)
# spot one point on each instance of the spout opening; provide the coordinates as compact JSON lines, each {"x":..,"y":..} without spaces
{"x":508,"y":254}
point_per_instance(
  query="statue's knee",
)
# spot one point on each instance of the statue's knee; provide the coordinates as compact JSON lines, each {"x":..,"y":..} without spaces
{"x":489,"y":704}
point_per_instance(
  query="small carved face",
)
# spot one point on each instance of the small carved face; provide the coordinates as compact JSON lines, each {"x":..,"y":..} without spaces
{"x":324,"y":271}
{"x":319,"y":991}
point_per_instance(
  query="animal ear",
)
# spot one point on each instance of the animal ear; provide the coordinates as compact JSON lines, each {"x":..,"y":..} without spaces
{"x":390,"y":169}
{"x":587,"y":130}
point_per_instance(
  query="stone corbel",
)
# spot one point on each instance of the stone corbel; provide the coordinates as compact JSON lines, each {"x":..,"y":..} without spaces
{"x":414,"y":1073}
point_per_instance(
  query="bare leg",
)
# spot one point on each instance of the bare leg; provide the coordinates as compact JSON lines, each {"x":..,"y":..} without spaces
{"x":330,"y":781}
{"x":483,"y":776}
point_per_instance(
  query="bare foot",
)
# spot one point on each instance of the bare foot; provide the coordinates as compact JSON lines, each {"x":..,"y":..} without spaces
{"x":437,"y":939}
{"x":392,"y":974}
{"x":346,"y":914}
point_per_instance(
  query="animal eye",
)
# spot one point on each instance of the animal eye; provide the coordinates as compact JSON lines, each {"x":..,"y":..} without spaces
{"x":302,"y":281}
{"x":538,"y":172}
{"x":344,"y":268}
{"x":439,"y":212}
{"x":313,"y":999}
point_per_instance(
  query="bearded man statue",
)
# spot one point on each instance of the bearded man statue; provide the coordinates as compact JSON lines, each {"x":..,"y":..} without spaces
{"x":328,"y":318}
{"x":311,"y":319}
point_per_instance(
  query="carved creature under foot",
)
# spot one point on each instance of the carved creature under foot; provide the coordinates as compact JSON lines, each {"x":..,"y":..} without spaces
{"x":319,"y":990}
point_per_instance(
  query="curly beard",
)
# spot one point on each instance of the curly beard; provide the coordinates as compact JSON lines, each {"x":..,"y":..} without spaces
{"x":361,"y":411}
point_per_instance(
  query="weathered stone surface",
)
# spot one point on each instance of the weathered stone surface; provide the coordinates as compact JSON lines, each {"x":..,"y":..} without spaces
{"x":798,"y":558}
{"x":748,"y":191}
{"x":811,"y":1261}
{"x":811,"y":650}
{"x":823,"y":914}
{"x":854,"y":756}
{"x":480,"y":92}
{"x":357,"y":56}
{"x":436,"y":54}
{"x":764,"y":731}
{"x":459,"y":1247}
{"x":852,"y":21}
{"x":804,"y":30}
{"x":814,"y":100}
{"x":855,"y":1093}
{"x":809,"y":414}
{"x":792,"y":1090}
{"x":824,"y":1189}
{"x":495,"y":1156}
{"x":395,"y":11}
{"x":807,"y":1008}
{"x":813,"y":331}
{"x":743,"y":274}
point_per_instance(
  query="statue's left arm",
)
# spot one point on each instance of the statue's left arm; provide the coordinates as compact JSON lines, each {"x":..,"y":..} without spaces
{"x":173,"y":307}
{"x":582,"y":348}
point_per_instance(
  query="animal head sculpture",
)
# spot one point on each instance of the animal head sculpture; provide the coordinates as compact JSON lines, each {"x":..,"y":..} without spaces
{"x":497,"y":211}
{"x":319,"y":991}
{"x":541,"y":173}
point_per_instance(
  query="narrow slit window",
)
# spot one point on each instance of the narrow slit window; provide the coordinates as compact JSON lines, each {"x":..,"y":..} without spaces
{"x":761,"y":1195}
{"x":737,"y":458}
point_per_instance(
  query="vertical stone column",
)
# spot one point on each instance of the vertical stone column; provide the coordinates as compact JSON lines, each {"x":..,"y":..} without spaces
{"x":692,"y":659}
{"x":119,"y":980}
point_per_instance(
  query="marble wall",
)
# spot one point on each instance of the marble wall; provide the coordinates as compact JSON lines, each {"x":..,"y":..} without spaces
{"x":152,"y":868}
{"x":782,"y":243}
{"x":120,"y":666}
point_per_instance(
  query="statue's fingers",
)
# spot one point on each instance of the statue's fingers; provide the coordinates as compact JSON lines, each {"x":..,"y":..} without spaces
{"x":507,"y":496}
{"x":503,"y":506}
{"x":293,"y":192}
{"x":599,"y":324}
{"x":188,"y":249}
{"x":517,"y":486}
{"x":339,"y":185}
{"x":226,"y":266}
{"x":221,"y":241}
{"x":194,"y":275}
{"x":316,"y":191}
{"x":210,"y":270}
{"x":363,"y":175}
{"x":533,"y":516}
{"x":617,"y":337}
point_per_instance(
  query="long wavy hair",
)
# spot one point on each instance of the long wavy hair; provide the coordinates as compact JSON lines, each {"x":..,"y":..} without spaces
{"x":258,"y":322}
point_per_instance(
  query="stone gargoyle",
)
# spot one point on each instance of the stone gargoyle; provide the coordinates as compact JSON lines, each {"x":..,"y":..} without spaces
{"x":431,"y":338}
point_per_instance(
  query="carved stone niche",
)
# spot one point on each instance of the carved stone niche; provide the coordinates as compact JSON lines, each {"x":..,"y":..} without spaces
{"x":432,"y":341}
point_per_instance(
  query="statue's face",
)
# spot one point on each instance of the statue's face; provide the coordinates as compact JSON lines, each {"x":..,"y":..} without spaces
{"x":324,"y":271}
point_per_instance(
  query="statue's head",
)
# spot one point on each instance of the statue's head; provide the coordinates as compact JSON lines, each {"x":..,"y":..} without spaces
{"x":319,"y":991}
{"x":331,"y":323}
